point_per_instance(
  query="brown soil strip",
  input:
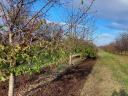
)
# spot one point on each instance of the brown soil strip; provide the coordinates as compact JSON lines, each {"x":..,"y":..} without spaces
{"x":68,"y":83}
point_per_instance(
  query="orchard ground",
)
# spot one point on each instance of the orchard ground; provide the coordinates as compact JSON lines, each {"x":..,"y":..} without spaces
{"x":105,"y":76}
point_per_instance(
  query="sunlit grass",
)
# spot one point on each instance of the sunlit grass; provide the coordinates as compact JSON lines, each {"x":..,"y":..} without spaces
{"x":118,"y":65}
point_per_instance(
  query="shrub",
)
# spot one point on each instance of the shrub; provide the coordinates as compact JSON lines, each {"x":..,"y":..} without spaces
{"x":87,"y":50}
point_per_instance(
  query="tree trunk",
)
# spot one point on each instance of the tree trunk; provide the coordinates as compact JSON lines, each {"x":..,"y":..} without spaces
{"x":11,"y":77}
{"x":70,"y":59}
{"x":11,"y":85}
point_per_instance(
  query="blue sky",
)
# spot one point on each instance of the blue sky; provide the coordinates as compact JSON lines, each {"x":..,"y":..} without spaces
{"x":111,"y":18}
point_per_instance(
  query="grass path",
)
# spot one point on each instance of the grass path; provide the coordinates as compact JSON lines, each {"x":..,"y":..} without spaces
{"x":109,"y":76}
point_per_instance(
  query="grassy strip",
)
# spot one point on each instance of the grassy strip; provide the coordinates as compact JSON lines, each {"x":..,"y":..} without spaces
{"x":118,"y":66}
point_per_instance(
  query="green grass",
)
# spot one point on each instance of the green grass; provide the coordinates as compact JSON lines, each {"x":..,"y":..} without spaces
{"x":118,"y":65}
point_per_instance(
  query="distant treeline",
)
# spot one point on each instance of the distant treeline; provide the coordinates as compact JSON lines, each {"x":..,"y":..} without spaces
{"x":120,"y":45}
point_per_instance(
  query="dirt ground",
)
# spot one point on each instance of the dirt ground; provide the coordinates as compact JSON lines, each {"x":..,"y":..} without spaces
{"x":68,"y":83}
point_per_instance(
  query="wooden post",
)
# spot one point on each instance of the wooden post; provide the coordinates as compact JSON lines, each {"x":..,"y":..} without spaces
{"x":11,"y":85}
{"x":70,"y":59}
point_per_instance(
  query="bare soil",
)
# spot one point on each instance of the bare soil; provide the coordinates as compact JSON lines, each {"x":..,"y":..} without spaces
{"x":68,"y":83}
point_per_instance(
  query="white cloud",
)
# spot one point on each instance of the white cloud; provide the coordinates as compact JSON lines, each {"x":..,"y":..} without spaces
{"x":103,"y":39}
{"x":104,"y":36}
{"x":116,"y":11}
{"x":119,"y":26}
